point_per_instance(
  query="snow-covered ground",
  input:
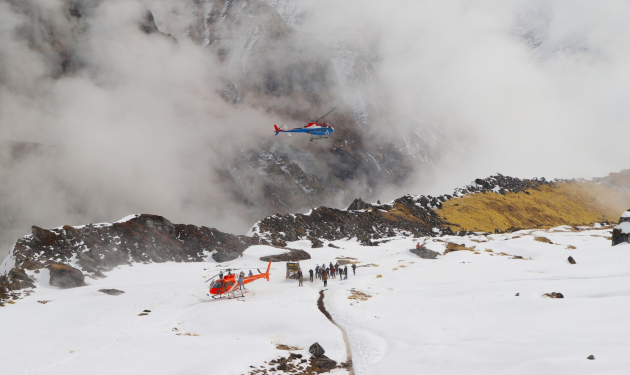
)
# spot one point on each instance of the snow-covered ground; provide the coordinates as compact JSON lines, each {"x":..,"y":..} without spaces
{"x":457,"y":314}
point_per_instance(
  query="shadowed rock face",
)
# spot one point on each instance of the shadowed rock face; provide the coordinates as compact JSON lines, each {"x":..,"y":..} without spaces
{"x":65,"y":276}
{"x":143,"y":238}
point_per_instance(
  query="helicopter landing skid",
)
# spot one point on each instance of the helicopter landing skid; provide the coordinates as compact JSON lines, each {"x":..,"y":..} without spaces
{"x":230,"y":295}
{"x":319,"y":137}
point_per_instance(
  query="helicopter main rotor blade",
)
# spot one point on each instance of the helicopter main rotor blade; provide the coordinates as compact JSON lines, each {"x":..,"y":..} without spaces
{"x":327,"y":113}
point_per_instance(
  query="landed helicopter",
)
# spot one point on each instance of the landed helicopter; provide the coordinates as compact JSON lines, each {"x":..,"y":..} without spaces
{"x":317,"y":129}
{"x":227,"y":285}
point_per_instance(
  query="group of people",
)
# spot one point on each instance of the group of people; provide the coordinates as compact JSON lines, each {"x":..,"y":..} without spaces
{"x":324,"y":272}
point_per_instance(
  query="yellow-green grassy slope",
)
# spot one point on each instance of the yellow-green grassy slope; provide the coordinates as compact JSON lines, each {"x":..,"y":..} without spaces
{"x":563,"y":203}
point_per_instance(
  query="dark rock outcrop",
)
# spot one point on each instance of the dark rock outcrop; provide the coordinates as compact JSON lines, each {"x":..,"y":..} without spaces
{"x":621,"y":233}
{"x":323,"y":363}
{"x":225,"y":256}
{"x":571,"y":260}
{"x":316,"y":350}
{"x":65,"y":276}
{"x":553,"y":295}
{"x":141,"y":238}
{"x":292,"y":255}
{"x":358,"y":204}
{"x":111,"y":292}
{"x":425,"y":253}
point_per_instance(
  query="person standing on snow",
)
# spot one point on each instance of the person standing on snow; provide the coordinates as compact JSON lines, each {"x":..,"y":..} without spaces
{"x":311,"y":273}
{"x":333,"y":272}
{"x":241,"y":284}
{"x":325,"y":278}
{"x":300,"y":278}
{"x":354,"y":269}
{"x":345,"y":271}
{"x":250,"y":273}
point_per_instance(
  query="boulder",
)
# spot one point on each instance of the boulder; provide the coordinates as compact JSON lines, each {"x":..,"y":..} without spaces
{"x":323,"y":363}
{"x":591,"y":357}
{"x":293,"y":255}
{"x":571,"y":260}
{"x":425,"y":253}
{"x":358,"y":204}
{"x":553,"y":295}
{"x":316,"y":350}
{"x":65,"y":276}
{"x":111,"y":292}
{"x":315,"y":243}
{"x":224,"y":256}
{"x":17,"y":275}
{"x":333,"y":246}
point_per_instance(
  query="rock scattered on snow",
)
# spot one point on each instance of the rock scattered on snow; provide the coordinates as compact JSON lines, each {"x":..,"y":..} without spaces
{"x":591,"y":357}
{"x":292,"y":255}
{"x":225,"y":256}
{"x":316,"y":243}
{"x":358,"y":204}
{"x":518,"y":294}
{"x":316,"y":350}
{"x":65,"y":276}
{"x":553,"y":295}
{"x":425,"y":253}
{"x":333,"y":246}
{"x":571,"y":260}
{"x":323,"y":363}
{"x":111,"y":292}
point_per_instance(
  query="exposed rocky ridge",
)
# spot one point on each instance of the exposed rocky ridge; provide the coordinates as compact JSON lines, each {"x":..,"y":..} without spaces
{"x":413,"y":215}
{"x":100,"y":247}
{"x":95,"y":248}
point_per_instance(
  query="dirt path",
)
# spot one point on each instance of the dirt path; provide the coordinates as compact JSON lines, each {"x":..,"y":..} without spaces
{"x":322,"y":308}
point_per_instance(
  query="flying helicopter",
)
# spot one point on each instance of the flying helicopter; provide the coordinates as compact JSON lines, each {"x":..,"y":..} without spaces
{"x":317,"y":129}
{"x":227,"y":285}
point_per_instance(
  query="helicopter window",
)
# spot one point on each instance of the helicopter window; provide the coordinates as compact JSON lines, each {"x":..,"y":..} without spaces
{"x":217,"y":284}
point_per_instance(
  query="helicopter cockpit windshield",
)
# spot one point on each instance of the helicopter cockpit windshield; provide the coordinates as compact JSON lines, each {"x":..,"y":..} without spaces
{"x":217,"y":285}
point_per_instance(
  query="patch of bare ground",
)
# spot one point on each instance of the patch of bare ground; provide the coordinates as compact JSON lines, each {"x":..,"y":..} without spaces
{"x":368,"y":265}
{"x":450,"y":247}
{"x":346,"y":260}
{"x":287,"y":347}
{"x":358,"y":295}
{"x":543,"y":240}
{"x":571,"y":247}
{"x":572,"y":203}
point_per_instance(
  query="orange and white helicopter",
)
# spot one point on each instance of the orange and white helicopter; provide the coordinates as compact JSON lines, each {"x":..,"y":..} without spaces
{"x":227,"y":285}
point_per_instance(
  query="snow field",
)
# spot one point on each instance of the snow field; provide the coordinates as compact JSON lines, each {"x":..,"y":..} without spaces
{"x":452,"y":315}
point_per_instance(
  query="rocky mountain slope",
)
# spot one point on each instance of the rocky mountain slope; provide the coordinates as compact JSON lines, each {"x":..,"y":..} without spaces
{"x":495,"y":204}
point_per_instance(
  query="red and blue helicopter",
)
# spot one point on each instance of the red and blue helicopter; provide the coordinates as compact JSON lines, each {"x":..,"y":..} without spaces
{"x":317,"y":129}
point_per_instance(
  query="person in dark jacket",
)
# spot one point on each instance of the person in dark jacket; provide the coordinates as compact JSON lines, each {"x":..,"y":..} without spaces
{"x":311,"y":273}
{"x":345,"y":272}
{"x":354,"y":269}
